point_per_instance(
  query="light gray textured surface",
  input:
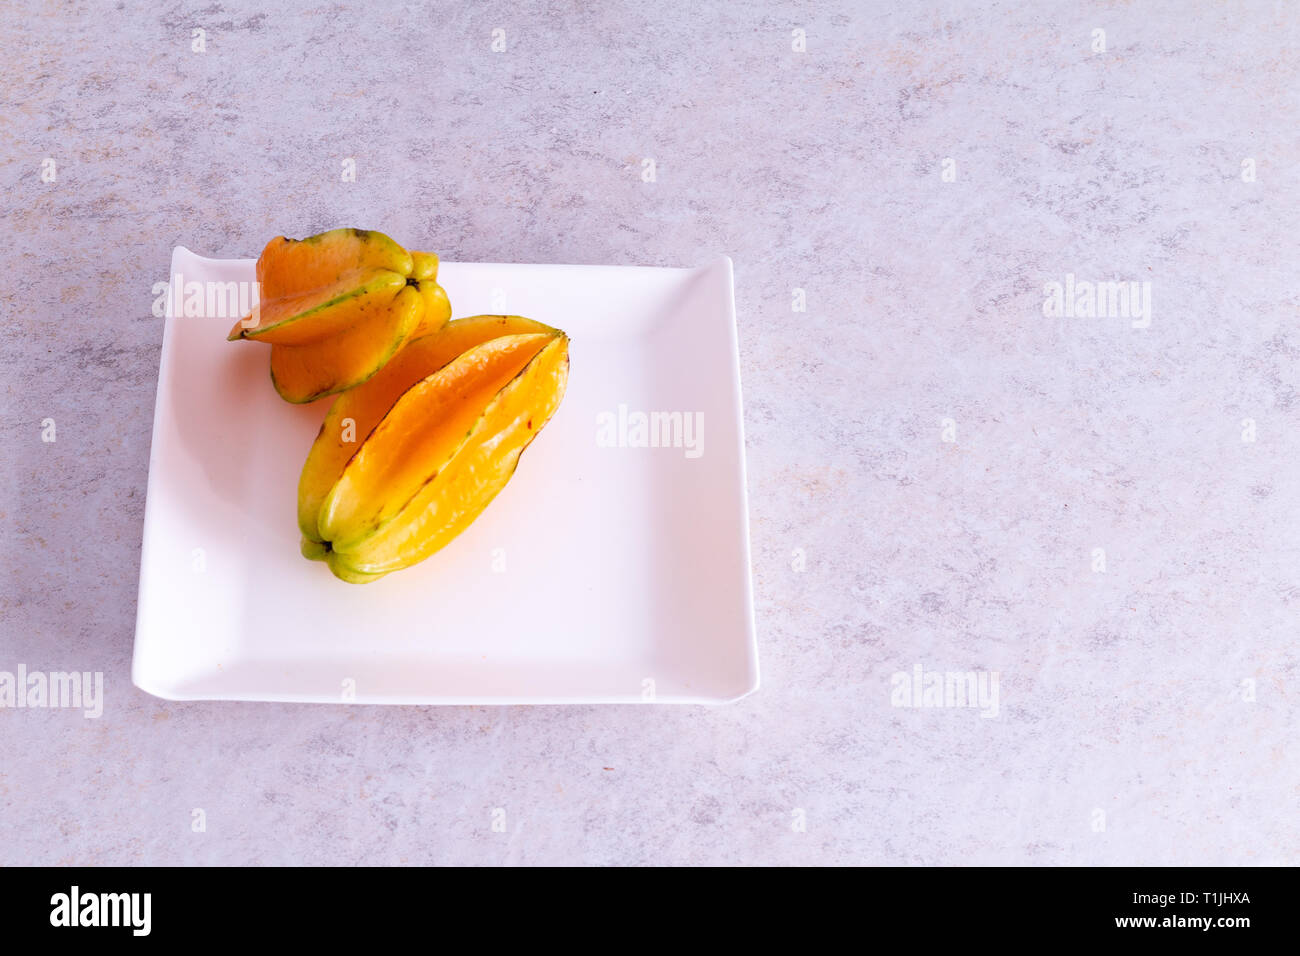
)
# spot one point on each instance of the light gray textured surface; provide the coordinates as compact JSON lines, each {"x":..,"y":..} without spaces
{"x":1124,"y":692}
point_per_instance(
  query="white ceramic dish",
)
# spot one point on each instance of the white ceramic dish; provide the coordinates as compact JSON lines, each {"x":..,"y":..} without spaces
{"x":599,"y":575}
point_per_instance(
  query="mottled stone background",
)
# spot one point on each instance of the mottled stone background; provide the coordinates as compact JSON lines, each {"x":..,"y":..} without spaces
{"x":1125,"y":692}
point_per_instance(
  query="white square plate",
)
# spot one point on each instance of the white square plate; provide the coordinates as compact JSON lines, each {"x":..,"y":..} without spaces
{"x":599,"y":575}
